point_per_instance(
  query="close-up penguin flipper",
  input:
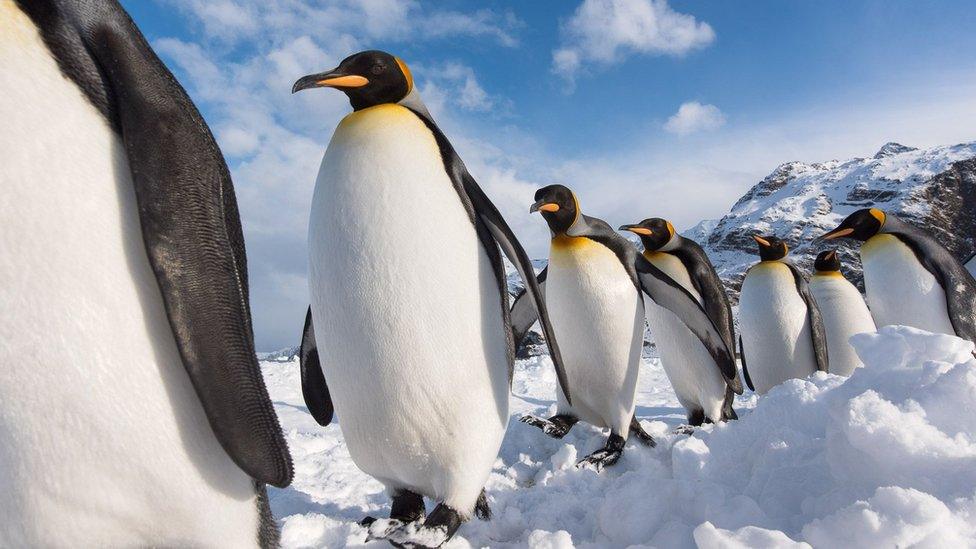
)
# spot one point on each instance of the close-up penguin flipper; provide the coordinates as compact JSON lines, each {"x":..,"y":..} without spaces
{"x":817,"y":331}
{"x":956,"y":281}
{"x":486,"y":214}
{"x":315,"y":391}
{"x":524,"y":314}
{"x":745,"y":369}
{"x":669,"y":294}
{"x":190,"y":227}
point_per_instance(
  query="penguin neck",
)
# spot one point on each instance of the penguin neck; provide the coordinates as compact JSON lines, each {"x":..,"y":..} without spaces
{"x":828,"y":274}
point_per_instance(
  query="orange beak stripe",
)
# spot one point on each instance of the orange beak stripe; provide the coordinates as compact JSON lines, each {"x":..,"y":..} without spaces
{"x":550,"y":207}
{"x":838,"y":234}
{"x":641,"y":230}
{"x":351,"y":81}
{"x":761,"y":240}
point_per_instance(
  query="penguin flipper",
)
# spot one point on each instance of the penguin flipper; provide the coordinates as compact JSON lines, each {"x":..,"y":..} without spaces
{"x":714,"y":299}
{"x":667,"y":293}
{"x":193,"y":239}
{"x":524,"y":314}
{"x":817,"y":331}
{"x":957,"y":282}
{"x":314,"y":389}
{"x":745,"y":370}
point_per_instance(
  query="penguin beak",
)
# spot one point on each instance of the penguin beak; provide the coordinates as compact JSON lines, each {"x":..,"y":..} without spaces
{"x":330,"y":79}
{"x":543,"y":206}
{"x":830,"y":256}
{"x":636,"y":229}
{"x":762,"y":241}
{"x":837,"y":233}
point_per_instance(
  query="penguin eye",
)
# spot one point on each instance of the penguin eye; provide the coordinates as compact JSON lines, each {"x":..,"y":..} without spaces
{"x":377,"y":69}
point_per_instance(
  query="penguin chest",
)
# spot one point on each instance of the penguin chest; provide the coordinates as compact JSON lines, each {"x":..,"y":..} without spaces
{"x":844,"y":315}
{"x":899,"y":289}
{"x":597,"y":315}
{"x":775,"y":328}
{"x":102,"y":437}
{"x":696,"y":379}
{"x":406,"y":306}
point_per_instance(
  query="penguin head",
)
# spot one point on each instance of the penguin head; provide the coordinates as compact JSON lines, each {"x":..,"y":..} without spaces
{"x":558,"y":206}
{"x":771,"y":248}
{"x":860,"y":225}
{"x":655,"y":233}
{"x":827,"y":262}
{"x":368,"y":78}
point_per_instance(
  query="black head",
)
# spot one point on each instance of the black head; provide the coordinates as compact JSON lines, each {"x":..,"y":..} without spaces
{"x":860,"y":225}
{"x":771,"y":248}
{"x":369,"y":78}
{"x":558,"y":206}
{"x":654,"y":232}
{"x":827,"y":261}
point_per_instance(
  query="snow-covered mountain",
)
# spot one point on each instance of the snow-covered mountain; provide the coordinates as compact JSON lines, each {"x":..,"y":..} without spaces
{"x":932,"y":188}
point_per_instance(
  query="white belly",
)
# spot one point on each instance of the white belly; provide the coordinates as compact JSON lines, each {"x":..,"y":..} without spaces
{"x":598,"y":318}
{"x":844,"y":314}
{"x":407,"y":311}
{"x":899,"y":289}
{"x":696,"y":379}
{"x":775,"y":327}
{"x":103,"y":441}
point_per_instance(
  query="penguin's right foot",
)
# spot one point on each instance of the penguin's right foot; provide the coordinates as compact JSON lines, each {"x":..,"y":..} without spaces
{"x":606,"y":456}
{"x":407,"y":506}
{"x":440,"y":526}
{"x":557,"y":426}
{"x":684,"y":430}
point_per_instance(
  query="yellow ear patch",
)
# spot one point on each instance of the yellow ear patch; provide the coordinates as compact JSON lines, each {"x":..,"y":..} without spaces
{"x":878,"y":214}
{"x":406,"y":72}
{"x":670,"y":228}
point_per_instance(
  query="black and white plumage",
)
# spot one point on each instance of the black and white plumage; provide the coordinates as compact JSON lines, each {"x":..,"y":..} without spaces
{"x":133,"y":408}
{"x":593,"y":284}
{"x":782,"y":334}
{"x":421,"y":382}
{"x":911,"y":279}
{"x":843,"y":311}
{"x":701,"y":385}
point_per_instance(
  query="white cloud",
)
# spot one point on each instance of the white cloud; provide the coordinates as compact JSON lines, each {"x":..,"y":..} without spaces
{"x":694,"y":117}
{"x":605,"y":31}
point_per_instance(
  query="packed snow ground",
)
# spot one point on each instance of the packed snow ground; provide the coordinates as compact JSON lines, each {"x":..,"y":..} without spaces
{"x":885,"y":458}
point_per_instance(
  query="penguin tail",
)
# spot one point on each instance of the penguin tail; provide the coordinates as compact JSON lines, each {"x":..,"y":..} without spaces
{"x":481,"y":508}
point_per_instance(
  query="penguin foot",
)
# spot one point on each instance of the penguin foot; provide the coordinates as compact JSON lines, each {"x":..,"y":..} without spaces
{"x":557,"y":426}
{"x":407,"y":506}
{"x":440,"y":526}
{"x":481,"y":508}
{"x":684,"y":430}
{"x":606,"y":456}
{"x":643,"y":436}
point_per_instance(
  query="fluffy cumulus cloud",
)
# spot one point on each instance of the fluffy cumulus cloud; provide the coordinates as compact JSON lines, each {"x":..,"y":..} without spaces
{"x":693,"y":117}
{"x":605,"y":31}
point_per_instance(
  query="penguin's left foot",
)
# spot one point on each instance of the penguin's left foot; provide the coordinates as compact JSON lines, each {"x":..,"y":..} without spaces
{"x":557,"y":426}
{"x":606,"y":456}
{"x":440,"y":526}
{"x":643,"y":436}
{"x":684,"y":430}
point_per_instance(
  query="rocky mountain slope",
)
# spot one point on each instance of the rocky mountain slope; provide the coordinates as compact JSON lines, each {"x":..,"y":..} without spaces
{"x":932,"y":188}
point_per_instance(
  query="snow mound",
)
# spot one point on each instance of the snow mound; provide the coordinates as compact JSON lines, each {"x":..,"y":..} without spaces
{"x":886,"y":457}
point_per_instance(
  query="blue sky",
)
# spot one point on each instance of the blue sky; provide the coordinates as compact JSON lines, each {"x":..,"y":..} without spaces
{"x":644,"y":107}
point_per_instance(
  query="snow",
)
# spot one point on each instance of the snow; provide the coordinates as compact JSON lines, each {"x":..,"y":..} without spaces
{"x":886,"y":457}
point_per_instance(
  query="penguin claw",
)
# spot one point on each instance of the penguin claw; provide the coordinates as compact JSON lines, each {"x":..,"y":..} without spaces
{"x":600,"y":459}
{"x":555,"y":427}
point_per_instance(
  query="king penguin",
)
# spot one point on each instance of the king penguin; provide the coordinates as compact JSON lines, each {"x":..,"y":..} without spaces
{"x":408,"y":337}
{"x":910,"y":279}
{"x":781,"y":330}
{"x":843,"y":310}
{"x":593,"y":285}
{"x":702,"y":387}
{"x":132,"y":407}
